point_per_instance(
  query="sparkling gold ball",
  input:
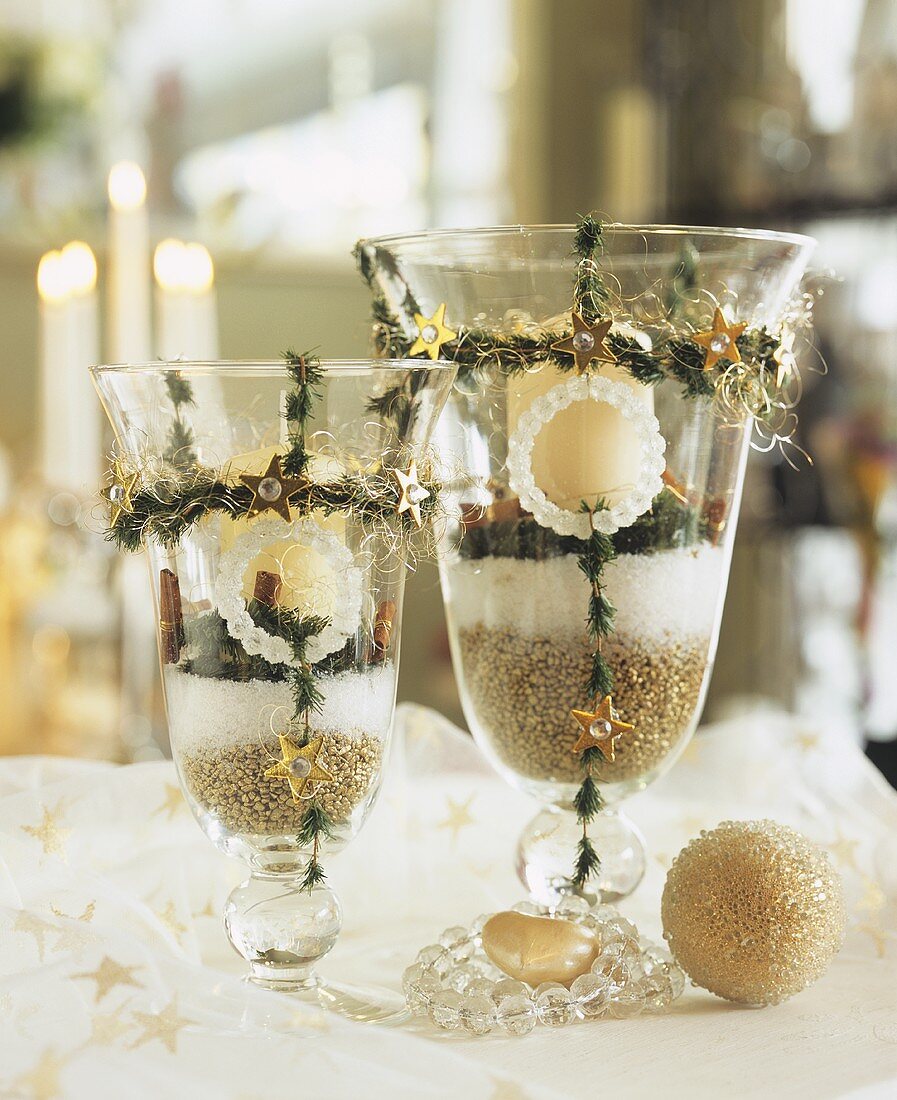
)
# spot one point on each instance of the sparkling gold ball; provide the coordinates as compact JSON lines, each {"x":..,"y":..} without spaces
{"x":753,"y":911}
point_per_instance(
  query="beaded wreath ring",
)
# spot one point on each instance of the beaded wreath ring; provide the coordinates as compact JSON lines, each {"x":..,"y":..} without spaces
{"x":541,"y":412}
{"x":344,"y":616}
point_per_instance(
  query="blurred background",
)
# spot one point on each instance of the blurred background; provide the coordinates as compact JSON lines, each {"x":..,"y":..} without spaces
{"x":190,"y":178}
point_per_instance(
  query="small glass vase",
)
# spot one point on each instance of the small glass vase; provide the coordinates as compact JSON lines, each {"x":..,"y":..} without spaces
{"x":515,"y":595}
{"x":252,"y":767}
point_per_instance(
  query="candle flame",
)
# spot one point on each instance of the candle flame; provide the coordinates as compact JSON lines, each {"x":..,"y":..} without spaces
{"x":183,"y":267}
{"x":127,"y":186}
{"x":52,"y":282}
{"x":80,"y":267}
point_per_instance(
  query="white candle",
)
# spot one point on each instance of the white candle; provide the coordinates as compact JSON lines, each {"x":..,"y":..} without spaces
{"x":71,"y":430}
{"x":129,"y":271}
{"x":588,"y":450}
{"x":186,"y":309}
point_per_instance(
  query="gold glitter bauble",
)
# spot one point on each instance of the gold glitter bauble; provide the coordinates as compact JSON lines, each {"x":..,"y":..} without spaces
{"x":753,"y":911}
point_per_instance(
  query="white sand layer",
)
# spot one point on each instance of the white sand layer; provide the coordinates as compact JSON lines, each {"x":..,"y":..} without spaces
{"x":671,"y":593}
{"x":203,"y":711}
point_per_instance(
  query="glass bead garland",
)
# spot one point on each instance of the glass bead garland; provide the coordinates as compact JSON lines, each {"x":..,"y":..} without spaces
{"x":459,"y":989}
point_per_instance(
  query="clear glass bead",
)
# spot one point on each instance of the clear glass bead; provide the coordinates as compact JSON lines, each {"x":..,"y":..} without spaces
{"x":461,"y":977}
{"x":627,"y":1001}
{"x":270,"y":489}
{"x":677,"y":977}
{"x":620,"y":928}
{"x":583,"y":341}
{"x":516,"y":1014}
{"x":554,"y":1004}
{"x":429,"y":334}
{"x":572,"y":907}
{"x":481,"y":987}
{"x":589,"y":992}
{"x":452,"y":936}
{"x":464,"y":951}
{"x":528,"y":907}
{"x":613,"y":971}
{"x":658,"y":992}
{"x":420,"y":993}
{"x":430,"y":954}
{"x":509,"y":987}
{"x":445,"y":1011}
{"x":411,"y":974}
{"x":720,"y":342}
{"x":478,"y":1014}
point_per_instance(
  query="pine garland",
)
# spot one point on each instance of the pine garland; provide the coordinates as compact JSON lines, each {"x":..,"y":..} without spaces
{"x":166,"y":511}
{"x":306,"y":373}
{"x":597,"y":552}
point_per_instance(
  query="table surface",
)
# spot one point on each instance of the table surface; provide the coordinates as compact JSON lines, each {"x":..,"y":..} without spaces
{"x":116,"y":979}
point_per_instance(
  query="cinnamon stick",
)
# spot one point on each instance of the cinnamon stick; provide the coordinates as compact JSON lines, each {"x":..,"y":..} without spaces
{"x":267,"y":588}
{"x":171,"y":617}
{"x":386,"y":613}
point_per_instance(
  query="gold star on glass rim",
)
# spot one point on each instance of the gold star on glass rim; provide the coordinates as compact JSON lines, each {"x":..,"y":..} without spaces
{"x":411,"y":492}
{"x":299,"y":766}
{"x":164,"y":1026}
{"x":271,"y":489}
{"x":108,"y":975}
{"x":719,"y":342}
{"x":120,"y":493}
{"x":601,"y":728}
{"x":432,"y":333}
{"x":587,"y":343}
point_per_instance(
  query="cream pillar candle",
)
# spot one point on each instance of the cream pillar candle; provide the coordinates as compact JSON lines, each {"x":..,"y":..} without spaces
{"x":128,"y":266}
{"x":70,"y":426}
{"x":588,"y":450}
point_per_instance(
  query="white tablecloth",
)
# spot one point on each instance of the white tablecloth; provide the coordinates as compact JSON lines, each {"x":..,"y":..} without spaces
{"x":116,"y":979}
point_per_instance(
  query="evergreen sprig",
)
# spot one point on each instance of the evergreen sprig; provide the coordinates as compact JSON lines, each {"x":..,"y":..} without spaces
{"x":597,"y":552}
{"x":590,"y":294}
{"x":314,"y":827}
{"x":307,"y":375}
{"x":180,"y":449}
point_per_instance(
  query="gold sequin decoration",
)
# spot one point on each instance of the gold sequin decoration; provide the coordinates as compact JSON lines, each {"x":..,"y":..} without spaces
{"x":753,"y":911}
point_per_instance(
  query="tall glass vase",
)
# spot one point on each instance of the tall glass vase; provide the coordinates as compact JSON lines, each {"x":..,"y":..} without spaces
{"x":273,"y":585}
{"x":666,"y":460}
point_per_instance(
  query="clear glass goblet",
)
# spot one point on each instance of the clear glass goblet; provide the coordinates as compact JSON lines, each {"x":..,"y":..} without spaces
{"x":278,"y":787}
{"x":515,"y":596}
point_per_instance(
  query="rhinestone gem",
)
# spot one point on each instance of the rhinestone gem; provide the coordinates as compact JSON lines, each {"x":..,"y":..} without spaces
{"x":719,"y":343}
{"x":270,"y":489}
{"x":583,"y":341}
{"x":300,"y":767}
{"x":417,"y":493}
{"x":429,"y":334}
{"x":116,"y":493}
{"x":601,"y":729}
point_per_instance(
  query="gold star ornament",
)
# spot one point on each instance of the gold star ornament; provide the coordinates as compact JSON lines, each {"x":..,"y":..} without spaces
{"x":299,"y":766}
{"x":272,"y":489}
{"x":411,"y":492}
{"x":432,"y":333}
{"x":120,"y":493}
{"x":601,"y":728}
{"x":719,"y":342}
{"x":588,"y":343}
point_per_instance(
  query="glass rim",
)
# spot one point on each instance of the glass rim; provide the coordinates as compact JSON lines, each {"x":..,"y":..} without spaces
{"x":334,"y":366}
{"x":670,"y":230}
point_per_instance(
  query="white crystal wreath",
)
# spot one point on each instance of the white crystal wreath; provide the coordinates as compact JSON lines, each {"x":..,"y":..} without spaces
{"x":344,"y":616}
{"x":543,"y":410}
